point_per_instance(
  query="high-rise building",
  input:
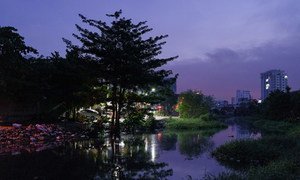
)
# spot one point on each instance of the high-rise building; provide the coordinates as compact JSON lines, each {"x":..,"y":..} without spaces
{"x":273,"y":80}
{"x":242,"y":96}
{"x":233,"y":101}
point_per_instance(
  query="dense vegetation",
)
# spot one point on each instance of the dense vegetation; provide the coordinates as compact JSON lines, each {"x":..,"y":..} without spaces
{"x":276,"y":154}
{"x":268,"y":158}
{"x":116,"y":65}
{"x":193,"y":104}
{"x":204,"y":122}
{"x":282,"y":106}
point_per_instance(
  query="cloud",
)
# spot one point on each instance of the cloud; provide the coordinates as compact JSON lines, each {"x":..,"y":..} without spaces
{"x":224,"y":55}
{"x":225,"y":70}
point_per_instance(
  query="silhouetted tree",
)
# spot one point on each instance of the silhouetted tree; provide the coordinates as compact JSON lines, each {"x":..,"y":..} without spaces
{"x":295,"y":98}
{"x":128,"y":63}
{"x":13,"y":66}
{"x":278,"y":105}
{"x":247,"y":108}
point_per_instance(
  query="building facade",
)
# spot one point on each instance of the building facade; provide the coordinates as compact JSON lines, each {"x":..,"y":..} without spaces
{"x":242,"y":96}
{"x":273,"y":80}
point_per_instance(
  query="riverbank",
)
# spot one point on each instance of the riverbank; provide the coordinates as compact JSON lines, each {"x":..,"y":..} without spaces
{"x":185,"y":153}
{"x":204,"y":122}
{"x":275,"y":156}
{"x":269,"y":127}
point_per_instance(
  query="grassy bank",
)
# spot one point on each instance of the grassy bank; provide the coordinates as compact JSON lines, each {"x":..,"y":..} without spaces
{"x":275,"y":156}
{"x":269,"y":127}
{"x":202,"y":123}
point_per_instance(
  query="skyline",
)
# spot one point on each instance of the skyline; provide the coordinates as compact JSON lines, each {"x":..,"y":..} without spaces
{"x":222,"y":46}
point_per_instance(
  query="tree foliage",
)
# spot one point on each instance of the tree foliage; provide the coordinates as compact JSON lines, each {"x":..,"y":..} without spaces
{"x":13,"y":66}
{"x":282,"y":105}
{"x":127,"y":62}
{"x":44,"y":86}
{"x":193,"y":104}
{"x":277,"y":105}
{"x":115,"y":64}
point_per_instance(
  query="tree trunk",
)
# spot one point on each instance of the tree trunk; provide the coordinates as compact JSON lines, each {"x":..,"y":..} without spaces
{"x":74,"y":114}
{"x":114,"y":111}
{"x":118,"y":112}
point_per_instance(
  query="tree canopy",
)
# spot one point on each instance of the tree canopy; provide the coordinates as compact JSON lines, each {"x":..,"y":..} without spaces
{"x":39,"y":85}
{"x":280,"y":105}
{"x":13,"y":66}
{"x":129,"y":64}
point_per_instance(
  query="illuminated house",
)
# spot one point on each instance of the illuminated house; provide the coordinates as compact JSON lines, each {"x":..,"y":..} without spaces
{"x":273,"y":80}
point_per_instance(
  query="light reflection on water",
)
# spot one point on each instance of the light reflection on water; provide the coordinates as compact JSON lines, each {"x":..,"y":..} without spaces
{"x":189,"y":154}
{"x":171,"y":155}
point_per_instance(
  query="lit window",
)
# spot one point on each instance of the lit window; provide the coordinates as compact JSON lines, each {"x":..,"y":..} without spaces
{"x":267,"y":86}
{"x":267,"y":80}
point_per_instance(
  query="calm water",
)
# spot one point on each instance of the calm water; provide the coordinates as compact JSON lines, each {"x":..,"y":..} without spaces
{"x":165,"y":155}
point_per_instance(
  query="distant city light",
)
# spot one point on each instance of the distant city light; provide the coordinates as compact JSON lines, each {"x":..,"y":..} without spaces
{"x":153,"y":90}
{"x":267,"y":86}
{"x":259,"y":101}
{"x":285,"y":77}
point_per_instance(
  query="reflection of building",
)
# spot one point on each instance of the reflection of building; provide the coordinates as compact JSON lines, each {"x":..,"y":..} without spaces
{"x":273,"y":80}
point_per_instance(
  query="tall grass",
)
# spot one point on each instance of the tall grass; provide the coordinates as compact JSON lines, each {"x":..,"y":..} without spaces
{"x":201,"y":123}
{"x":275,"y":156}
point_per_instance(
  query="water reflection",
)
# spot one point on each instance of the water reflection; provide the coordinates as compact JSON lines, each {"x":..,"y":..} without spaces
{"x":167,"y":141}
{"x":192,"y":145}
{"x":87,"y":160}
{"x":165,"y":155}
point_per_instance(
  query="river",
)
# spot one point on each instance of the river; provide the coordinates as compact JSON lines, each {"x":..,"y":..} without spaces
{"x":164,"y":155}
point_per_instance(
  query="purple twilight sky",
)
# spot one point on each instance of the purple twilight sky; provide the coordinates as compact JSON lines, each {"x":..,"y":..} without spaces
{"x":222,"y":45}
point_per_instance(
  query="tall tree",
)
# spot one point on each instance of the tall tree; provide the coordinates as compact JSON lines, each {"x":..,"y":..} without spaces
{"x":278,"y":105}
{"x":13,"y":66}
{"x":128,"y":63}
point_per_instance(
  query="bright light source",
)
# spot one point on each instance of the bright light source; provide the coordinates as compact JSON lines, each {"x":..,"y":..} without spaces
{"x":122,"y":144}
{"x":153,"y":90}
{"x":285,"y":77}
{"x":259,"y":101}
{"x":267,"y":80}
{"x":267,"y":86}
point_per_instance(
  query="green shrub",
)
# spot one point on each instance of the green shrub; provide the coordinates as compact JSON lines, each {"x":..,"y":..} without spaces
{"x":246,"y":153}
